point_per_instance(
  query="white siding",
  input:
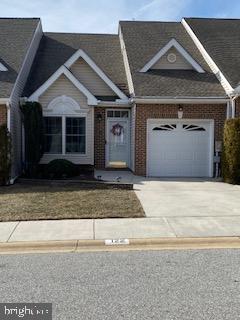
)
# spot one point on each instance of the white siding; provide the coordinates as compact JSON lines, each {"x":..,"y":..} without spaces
{"x":15,"y":116}
{"x":180,"y":63}
{"x":89,"y":78}
{"x":60,"y":87}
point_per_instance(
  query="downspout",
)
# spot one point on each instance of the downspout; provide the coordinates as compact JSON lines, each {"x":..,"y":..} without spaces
{"x":8,"y":105}
{"x":233,"y":104}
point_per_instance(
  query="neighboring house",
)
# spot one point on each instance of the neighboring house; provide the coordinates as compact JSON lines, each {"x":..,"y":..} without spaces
{"x":153,"y":98}
{"x":19,"y":40}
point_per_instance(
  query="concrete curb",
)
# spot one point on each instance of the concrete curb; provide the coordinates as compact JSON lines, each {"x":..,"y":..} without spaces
{"x":134,"y":245}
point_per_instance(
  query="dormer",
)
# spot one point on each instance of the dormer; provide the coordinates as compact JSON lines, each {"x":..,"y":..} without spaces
{"x":172,"y":57}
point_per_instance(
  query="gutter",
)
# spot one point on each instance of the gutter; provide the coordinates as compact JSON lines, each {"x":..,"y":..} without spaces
{"x":175,"y":100}
{"x":4,"y":100}
{"x":116,"y":103}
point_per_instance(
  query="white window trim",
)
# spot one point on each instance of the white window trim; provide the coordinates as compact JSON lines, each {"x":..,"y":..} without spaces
{"x":81,"y":54}
{"x":71,"y":112}
{"x":3,"y":68}
{"x":63,"y":117}
{"x":63,"y":70}
{"x":180,"y":49}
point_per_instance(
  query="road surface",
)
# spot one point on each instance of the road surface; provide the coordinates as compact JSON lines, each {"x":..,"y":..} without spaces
{"x":161,"y":285}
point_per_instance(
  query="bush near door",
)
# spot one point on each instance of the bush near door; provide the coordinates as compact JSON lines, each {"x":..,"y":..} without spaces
{"x":231,"y":151}
{"x":60,"y":169}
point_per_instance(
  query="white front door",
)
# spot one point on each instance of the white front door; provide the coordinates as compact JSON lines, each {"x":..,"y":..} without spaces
{"x":118,"y":136}
{"x":180,"y":148}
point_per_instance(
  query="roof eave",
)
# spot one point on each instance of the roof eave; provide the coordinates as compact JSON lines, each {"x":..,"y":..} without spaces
{"x":174,"y":100}
{"x":4,"y":100}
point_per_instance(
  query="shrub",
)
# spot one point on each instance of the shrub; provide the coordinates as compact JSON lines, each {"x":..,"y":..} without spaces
{"x":5,"y":155}
{"x":231,"y":151}
{"x":33,"y":125}
{"x":60,"y":169}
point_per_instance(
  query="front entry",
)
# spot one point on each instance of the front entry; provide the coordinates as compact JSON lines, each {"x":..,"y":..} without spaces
{"x":118,"y":139}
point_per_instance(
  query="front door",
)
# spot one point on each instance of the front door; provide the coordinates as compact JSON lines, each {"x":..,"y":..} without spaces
{"x":118,"y":134}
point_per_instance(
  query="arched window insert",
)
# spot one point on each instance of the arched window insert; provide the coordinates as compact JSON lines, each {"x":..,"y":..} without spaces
{"x":64,"y":127}
{"x":193,"y":127}
{"x":166,"y":127}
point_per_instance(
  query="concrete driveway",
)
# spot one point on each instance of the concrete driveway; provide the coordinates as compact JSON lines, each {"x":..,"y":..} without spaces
{"x":192,"y":208}
{"x":181,"y":197}
{"x":188,"y":198}
{"x":186,"y":207}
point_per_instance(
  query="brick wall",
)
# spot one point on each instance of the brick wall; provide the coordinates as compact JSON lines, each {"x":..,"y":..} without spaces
{"x":238,"y":107}
{"x":3,"y":114}
{"x":144,"y":112}
{"x":99,"y":138}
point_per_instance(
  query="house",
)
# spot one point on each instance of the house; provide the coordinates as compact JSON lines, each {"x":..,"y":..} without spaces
{"x":152,"y":98}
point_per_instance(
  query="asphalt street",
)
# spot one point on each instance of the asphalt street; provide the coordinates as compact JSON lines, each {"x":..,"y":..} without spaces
{"x":164,"y":285}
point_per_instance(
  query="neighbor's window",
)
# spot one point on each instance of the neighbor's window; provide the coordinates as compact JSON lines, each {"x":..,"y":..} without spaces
{"x":53,"y":134}
{"x":74,"y":140}
{"x":75,"y":135}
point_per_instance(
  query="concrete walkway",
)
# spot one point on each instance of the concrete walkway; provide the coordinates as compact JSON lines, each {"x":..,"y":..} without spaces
{"x":101,"y":229}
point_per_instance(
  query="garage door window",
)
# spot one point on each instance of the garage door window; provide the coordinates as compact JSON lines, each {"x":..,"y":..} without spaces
{"x":192,"y":127}
{"x":166,"y":127}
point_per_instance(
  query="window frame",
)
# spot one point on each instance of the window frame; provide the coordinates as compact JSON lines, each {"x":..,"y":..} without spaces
{"x":45,"y":134}
{"x":64,"y":117}
{"x":78,"y":135}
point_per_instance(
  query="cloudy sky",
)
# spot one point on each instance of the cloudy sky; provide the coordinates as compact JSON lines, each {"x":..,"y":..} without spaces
{"x":102,"y":16}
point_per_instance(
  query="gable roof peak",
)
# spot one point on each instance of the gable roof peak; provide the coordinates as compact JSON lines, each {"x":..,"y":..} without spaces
{"x":173,"y":43}
{"x":82,"y":54}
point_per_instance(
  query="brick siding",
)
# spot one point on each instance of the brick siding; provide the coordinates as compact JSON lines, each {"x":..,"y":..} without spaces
{"x":3,"y":114}
{"x":144,"y":112}
{"x":99,"y":138}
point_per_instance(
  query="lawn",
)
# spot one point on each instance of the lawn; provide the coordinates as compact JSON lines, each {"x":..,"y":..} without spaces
{"x":34,"y":202}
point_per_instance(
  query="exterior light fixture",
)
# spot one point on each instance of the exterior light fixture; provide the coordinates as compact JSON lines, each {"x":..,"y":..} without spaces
{"x":180,"y":112}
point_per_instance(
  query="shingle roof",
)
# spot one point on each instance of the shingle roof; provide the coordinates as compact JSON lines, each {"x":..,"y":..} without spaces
{"x":56,"y":48}
{"x":221,"y":39}
{"x":143,"y":40}
{"x":15,"y":38}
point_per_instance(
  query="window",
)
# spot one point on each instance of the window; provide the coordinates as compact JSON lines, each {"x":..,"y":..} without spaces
{"x":65,"y":135}
{"x":193,"y":127}
{"x":165,"y":127}
{"x":75,"y":135}
{"x":118,"y":114}
{"x":53,"y":134}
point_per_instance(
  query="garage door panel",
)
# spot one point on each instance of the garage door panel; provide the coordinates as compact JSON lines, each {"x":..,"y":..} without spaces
{"x":181,"y":151}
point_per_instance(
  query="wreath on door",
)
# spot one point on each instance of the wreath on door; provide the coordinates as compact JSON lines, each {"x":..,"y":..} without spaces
{"x":117,"y":130}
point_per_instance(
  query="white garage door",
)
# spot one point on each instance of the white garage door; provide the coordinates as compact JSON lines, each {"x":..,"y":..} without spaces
{"x":178,"y":148}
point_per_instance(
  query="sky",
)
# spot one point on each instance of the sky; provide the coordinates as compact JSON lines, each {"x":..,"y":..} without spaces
{"x":102,"y":16}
